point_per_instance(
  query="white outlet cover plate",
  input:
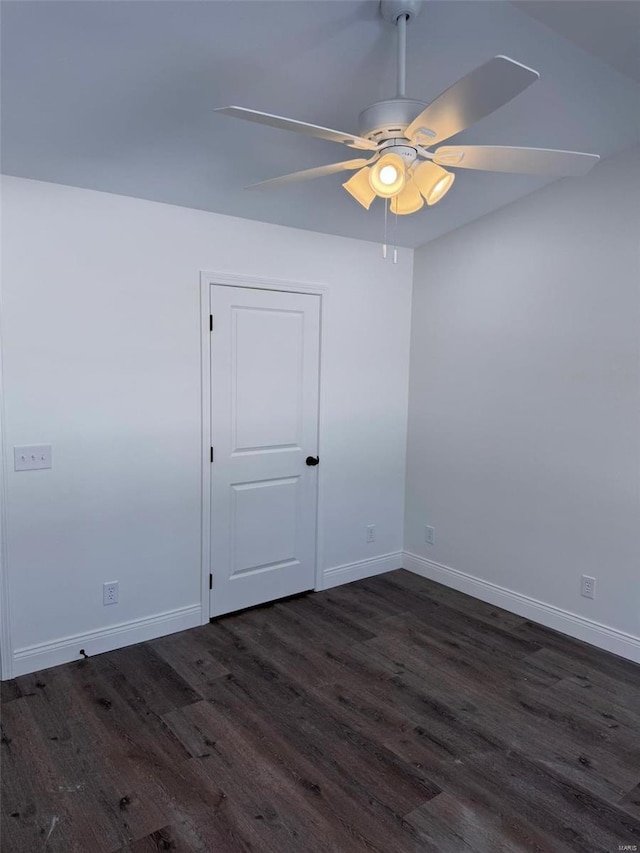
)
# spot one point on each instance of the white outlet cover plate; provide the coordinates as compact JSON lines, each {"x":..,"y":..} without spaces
{"x":588,"y":586}
{"x":110,"y":593}
{"x":29,"y":457}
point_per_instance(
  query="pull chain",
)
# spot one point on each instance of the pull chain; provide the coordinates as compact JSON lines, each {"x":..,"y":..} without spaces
{"x":384,"y":245}
{"x":395,"y":240}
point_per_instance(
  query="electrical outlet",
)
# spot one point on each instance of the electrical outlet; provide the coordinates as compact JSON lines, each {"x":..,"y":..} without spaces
{"x":588,"y":586}
{"x":429,"y":535}
{"x":371,"y":533}
{"x":110,"y":593}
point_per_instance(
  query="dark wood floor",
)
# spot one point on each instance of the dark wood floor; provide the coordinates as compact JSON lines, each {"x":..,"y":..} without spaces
{"x":391,"y":715}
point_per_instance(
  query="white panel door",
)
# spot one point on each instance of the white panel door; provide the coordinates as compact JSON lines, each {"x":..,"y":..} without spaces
{"x":265,"y":364}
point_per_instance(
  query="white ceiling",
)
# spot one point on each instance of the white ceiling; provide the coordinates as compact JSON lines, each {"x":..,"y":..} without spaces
{"x":609,"y":30}
{"x":119,"y":96}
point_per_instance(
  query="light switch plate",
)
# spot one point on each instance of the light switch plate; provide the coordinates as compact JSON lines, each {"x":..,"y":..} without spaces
{"x":28,"y":457}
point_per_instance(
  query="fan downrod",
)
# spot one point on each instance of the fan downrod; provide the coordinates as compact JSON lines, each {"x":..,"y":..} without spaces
{"x":388,"y":119}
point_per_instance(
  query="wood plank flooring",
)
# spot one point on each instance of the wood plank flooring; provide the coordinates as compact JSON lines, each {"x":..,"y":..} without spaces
{"x":392,"y":715}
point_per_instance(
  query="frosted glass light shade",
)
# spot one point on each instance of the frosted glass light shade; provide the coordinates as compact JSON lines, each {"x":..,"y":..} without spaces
{"x":407,"y":201}
{"x":433,"y":181}
{"x":387,"y":177}
{"x":359,"y":187}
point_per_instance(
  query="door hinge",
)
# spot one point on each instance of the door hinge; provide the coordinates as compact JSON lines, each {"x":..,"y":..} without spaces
{"x":212,"y":454}
{"x":210,"y":581}
{"x":211,"y":322}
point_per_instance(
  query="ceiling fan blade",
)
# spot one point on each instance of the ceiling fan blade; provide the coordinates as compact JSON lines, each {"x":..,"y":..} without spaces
{"x":300,"y":127}
{"x":528,"y":161}
{"x":307,"y":174}
{"x":473,"y":97}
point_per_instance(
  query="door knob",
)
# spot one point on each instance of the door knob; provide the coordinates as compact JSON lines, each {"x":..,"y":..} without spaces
{"x":313,"y":460}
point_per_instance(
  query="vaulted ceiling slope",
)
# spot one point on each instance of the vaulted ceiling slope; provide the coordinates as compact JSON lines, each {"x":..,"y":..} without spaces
{"x":119,"y":97}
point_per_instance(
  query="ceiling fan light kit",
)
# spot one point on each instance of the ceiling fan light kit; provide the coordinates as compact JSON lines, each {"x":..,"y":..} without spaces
{"x":360,"y":187}
{"x":387,"y":178}
{"x":408,"y":201}
{"x":433,"y":181}
{"x":399,"y":133}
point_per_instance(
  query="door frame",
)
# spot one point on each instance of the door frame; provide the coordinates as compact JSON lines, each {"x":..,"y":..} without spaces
{"x":207,"y":279}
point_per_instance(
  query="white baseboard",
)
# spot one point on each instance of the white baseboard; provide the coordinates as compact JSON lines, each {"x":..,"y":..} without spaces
{"x":602,"y":636}
{"x":66,"y":649}
{"x":361,"y":569}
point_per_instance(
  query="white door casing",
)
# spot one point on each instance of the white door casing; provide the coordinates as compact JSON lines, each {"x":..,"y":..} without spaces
{"x":265,"y":362}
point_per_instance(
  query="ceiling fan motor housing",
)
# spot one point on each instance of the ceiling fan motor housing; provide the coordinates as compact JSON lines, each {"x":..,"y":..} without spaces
{"x":407,"y":152}
{"x":388,"y":119}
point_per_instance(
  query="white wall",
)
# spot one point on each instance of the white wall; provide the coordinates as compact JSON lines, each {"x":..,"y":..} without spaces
{"x":524,"y":417}
{"x":101,"y":352}
{"x":524,"y":426}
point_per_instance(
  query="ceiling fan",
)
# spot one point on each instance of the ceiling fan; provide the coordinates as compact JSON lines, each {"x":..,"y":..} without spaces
{"x":399,"y":132}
